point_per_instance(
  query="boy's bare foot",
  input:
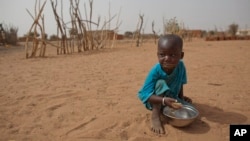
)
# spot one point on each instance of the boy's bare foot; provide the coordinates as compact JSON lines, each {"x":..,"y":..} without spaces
{"x":156,"y":125}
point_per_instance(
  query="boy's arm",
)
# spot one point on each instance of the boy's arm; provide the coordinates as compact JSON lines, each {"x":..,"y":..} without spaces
{"x":181,"y":96}
{"x":154,"y":99}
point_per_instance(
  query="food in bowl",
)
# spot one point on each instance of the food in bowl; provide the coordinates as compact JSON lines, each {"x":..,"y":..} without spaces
{"x":176,"y":105}
{"x":181,"y":117}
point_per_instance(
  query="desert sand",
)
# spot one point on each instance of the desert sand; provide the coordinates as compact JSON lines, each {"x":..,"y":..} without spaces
{"x":92,"y":96}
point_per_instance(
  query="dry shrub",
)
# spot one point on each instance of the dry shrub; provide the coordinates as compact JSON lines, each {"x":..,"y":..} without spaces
{"x":171,"y":26}
{"x":11,"y":36}
{"x":54,"y":38}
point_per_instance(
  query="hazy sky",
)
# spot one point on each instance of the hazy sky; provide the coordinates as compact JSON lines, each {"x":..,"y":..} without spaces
{"x":195,"y":14}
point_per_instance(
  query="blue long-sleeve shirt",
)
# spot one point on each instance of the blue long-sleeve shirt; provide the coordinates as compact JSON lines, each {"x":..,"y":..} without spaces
{"x":174,"y":81}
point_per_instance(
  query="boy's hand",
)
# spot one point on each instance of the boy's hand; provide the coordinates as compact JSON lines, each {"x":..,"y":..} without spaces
{"x":187,"y":99}
{"x":176,"y":105}
{"x":173,"y":103}
{"x":169,"y":101}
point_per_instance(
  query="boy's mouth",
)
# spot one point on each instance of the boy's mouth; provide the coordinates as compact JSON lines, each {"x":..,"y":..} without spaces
{"x":165,"y":65}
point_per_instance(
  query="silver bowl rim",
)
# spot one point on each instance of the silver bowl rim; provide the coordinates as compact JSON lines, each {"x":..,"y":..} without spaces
{"x":193,"y":108}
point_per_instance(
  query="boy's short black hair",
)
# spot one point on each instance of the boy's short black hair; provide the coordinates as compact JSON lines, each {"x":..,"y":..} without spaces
{"x":176,"y":40}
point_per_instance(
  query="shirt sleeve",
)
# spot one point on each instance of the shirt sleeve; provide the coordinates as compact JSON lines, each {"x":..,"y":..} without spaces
{"x":149,"y":85}
{"x":184,"y":74}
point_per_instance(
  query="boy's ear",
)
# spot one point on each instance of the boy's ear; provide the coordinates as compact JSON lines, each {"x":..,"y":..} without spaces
{"x":182,"y":55}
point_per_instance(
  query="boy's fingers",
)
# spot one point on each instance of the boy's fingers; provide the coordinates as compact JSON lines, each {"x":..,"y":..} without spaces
{"x":187,"y":99}
{"x":176,"y":105}
{"x":173,"y":100}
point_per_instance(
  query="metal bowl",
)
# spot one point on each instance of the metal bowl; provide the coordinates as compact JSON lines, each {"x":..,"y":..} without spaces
{"x":181,"y":117}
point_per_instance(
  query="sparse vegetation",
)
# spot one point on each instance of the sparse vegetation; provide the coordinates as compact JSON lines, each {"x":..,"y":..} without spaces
{"x":232,"y":29}
{"x":54,"y":38}
{"x":229,"y":34}
{"x":172,"y":26}
{"x":9,"y":34}
{"x":128,"y":34}
{"x":86,"y":34}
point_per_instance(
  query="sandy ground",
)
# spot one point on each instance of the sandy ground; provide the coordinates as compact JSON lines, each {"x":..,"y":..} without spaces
{"x":93,"y":96}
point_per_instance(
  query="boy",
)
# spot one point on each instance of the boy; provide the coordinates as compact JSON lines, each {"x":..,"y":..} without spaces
{"x":164,"y":83}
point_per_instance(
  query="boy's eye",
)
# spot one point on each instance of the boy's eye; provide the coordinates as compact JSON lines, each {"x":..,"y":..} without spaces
{"x":162,"y":55}
{"x":169,"y":55}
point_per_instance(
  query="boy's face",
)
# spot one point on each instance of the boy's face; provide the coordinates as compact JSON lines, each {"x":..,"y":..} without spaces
{"x":169,"y":55}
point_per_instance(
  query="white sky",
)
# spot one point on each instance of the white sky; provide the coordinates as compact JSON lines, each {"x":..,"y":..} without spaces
{"x":196,"y":14}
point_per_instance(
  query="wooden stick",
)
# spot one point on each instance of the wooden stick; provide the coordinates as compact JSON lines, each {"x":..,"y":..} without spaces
{"x":34,"y":23}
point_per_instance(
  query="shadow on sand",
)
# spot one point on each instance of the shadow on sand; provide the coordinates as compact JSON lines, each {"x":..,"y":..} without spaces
{"x":213,"y":114}
{"x":216,"y":114}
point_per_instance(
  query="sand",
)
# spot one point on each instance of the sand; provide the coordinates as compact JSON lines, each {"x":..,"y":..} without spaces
{"x":92,"y":96}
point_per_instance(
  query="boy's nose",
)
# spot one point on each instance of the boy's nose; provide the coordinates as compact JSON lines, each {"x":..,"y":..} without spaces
{"x":166,"y":58}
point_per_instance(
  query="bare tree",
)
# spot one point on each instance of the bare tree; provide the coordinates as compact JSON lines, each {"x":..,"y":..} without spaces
{"x":138,"y":31}
{"x":153,"y":30}
{"x":118,"y":23}
{"x":8,"y":34}
{"x":233,"y":28}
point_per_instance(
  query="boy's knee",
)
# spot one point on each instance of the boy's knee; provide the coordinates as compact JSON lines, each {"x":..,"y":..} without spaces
{"x":161,"y":87}
{"x":160,"y":84}
{"x":156,"y":106}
